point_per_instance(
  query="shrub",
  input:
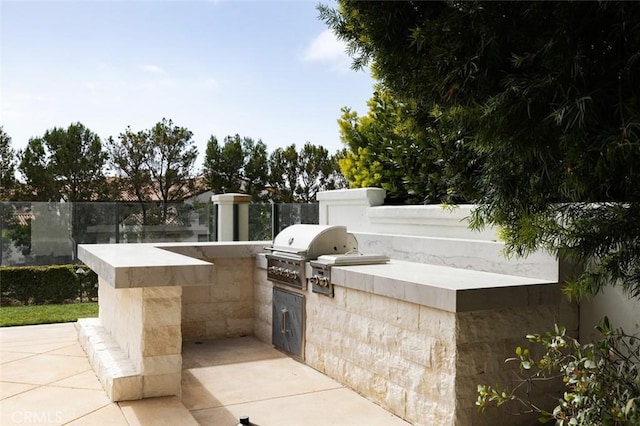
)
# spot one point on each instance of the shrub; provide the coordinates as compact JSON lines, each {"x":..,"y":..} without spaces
{"x":46,"y":284}
{"x":602,"y":379}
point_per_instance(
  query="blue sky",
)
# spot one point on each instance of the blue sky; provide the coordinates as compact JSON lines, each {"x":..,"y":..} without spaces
{"x":263,"y":69}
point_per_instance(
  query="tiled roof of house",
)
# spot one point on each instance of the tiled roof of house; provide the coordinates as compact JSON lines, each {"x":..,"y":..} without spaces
{"x":137,"y":219}
{"x":24,"y":217}
{"x":151,"y":194}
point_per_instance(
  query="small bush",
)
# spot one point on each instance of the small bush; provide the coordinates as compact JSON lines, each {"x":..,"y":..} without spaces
{"x":602,"y":379}
{"x":46,"y":284}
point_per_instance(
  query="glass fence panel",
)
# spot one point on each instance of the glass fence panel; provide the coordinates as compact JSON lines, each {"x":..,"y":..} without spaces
{"x":150,"y":223}
{"x":296,"y":213}
{"x":15,"y":233}
{"x":264,"y":218}
{"x":260,"y":222}
{"x":42,"y":233}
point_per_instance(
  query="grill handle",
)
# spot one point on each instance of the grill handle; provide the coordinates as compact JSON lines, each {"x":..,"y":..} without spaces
{"x":286,"y":250}
{"x":283,"y":322}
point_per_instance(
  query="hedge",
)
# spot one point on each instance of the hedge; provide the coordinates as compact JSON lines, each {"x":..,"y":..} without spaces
{"x":46,"y":284}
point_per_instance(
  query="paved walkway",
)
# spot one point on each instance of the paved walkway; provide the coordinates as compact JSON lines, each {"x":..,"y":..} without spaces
{"x":45,"y":378}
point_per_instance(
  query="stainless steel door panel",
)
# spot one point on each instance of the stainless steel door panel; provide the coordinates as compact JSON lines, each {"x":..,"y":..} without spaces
{"x":288,"y":322}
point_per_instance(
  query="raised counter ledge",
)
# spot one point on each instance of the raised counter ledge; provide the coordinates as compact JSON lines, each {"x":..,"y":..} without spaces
{"x":210,"y":250}
{"x":144,"y":265}
{"x":450,"y":289}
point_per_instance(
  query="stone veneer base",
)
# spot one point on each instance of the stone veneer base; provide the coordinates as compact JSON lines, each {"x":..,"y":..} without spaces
{"x":135,"y":346}
{"x":415,"y":338}
{"x":418,"y":339}
{"x":116,"y":372}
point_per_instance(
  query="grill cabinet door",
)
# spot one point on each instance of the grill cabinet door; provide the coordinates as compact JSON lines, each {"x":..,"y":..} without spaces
{"x":288,"y":322}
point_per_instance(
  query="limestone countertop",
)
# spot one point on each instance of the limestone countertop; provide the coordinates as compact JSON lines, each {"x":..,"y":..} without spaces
{"x":144,"y":265}
{"x":210,"y":250}
{"x":160,"y":264}
{"x":442,"y":287}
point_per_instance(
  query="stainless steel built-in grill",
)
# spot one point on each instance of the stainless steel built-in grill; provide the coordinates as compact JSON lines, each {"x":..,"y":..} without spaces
{"x":298,"y":244}
{"x":321,"y":245}
{"x":320,"y":278}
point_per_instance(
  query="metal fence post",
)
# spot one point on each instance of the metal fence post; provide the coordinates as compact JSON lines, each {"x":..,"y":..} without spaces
{"x":275,"y":219}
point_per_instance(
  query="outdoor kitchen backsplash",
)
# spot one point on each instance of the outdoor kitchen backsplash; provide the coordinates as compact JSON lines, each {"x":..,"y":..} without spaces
{"x":223,"y":309}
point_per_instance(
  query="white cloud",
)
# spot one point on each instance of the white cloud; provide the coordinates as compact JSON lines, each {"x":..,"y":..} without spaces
{"x":326,"y":48}
{"x":154,"y":69}
{"x":103,"y":86}
{"x":160,"y":84}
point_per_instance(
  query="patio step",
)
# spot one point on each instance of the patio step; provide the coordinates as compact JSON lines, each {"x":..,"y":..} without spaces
{"x":116,"y":372}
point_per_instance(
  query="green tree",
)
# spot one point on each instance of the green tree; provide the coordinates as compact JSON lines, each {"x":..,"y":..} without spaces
{"x":36,"y":172}
{"x":240,"y":165}
{"x":155,"y":165}
{"x":256,"y":169}
{"x":7,"y":165}
{"x":7,"y":219}
{"x":19,"y":235}
{"x":170,"y":162}
{"x":297,"y":176}
{"x":283,"y":174}
{"x":547,"y":95}
{"x":223,"y":165}
{"x":128,"y":156}
{"x":317,"y":171}
{"x":65,"y":164}
{"x":387,"y":148}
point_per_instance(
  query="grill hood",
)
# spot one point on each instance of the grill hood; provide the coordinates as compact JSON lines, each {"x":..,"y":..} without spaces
{"x":311,"y":241}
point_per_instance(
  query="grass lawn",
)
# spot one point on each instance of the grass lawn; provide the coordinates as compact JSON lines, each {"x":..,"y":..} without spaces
{"x":46,"y":314}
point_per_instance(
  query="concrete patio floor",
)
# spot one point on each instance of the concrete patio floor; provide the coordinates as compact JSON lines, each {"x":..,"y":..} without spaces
{"x":45,"y":378}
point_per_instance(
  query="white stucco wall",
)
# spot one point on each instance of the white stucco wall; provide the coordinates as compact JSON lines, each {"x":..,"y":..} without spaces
{"x":440,"y":236}
{"x":616,"y":305}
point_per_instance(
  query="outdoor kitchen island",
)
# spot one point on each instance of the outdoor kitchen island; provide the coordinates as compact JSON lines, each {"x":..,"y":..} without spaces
{"x":414,"y":338}
{"x":135,"y":345}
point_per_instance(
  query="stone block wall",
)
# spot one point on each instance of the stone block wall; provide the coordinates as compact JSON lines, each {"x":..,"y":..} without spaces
{"x":145,"y":325}
{"x":161,"y":341}
{"x":421,"y":363}
{"x":262,"y":303}
{"x":400,"y":355}
{"x":121,"y":312}
{"x":224,"y":308}
{"x":484,"y":340}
